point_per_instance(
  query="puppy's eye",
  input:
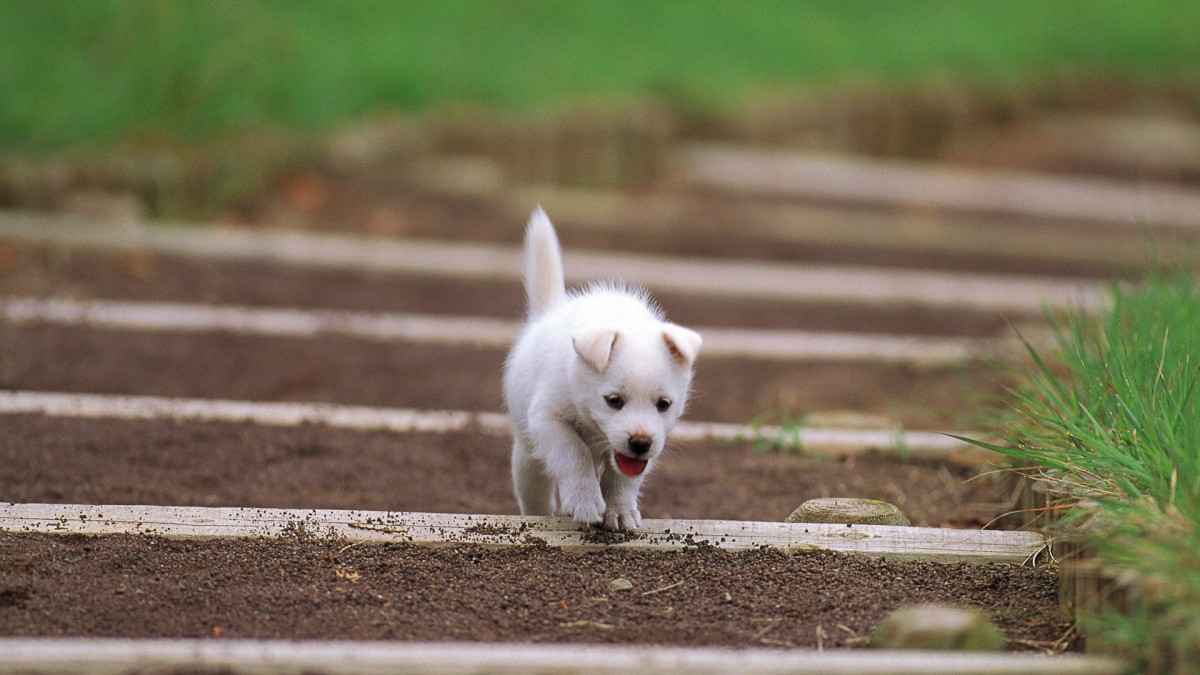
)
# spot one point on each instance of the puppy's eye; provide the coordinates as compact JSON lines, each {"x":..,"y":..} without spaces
{"x":615,"y":401}
{"x":663,"y":404}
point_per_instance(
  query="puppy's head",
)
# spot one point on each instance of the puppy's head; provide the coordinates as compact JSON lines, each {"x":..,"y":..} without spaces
{"x":632,"y":382}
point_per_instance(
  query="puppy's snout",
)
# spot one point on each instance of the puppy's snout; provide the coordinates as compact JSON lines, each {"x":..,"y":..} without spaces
{"x":639,"y":444}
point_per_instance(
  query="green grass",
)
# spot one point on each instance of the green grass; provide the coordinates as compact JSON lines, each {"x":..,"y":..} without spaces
{"x":788,"y":438}
{"x":117,"y":70}
{"x":1118,"y":437}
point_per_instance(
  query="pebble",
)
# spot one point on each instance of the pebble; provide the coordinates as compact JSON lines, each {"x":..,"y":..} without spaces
{"x":940,"y":627}
{"x":620,"y":584}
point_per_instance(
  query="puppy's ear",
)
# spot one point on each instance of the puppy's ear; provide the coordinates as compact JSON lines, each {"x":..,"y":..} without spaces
{"x":682,"y":343}
{"x":595,"y":347}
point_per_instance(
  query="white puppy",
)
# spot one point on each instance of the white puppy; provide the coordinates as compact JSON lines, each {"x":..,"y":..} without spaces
{"x":595,"y":381}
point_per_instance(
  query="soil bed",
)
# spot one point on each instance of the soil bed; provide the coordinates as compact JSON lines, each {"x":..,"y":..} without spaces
{"x":344,"y":370}
{"x":76,"y":273}
{"x":167,"y":463}
{"x":137,"y":586}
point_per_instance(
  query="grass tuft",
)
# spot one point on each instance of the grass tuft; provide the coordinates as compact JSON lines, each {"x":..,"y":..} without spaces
{"x":1114,"y":432}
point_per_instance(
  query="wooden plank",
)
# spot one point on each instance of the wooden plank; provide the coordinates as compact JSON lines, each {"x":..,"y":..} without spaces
{"x":105,"y":406}
{"x":821,"y":223}
{"x":798,"y":175}
{"x":920,"y":543}
{"x":728,"y":278}
{"x":271,"y":657}
{"x":816,"y":440}
{"x":910,"y":231}
{"x":774,"y":345}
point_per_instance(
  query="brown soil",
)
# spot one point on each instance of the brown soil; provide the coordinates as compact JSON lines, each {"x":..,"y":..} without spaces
{"x":344,"y":370}
{"x":212,"y":464}
{"x":78,"y":273}
{"x":135,"y":586}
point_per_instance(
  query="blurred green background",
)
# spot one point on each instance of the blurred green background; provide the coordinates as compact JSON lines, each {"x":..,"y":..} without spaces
{"x":104,"y":71}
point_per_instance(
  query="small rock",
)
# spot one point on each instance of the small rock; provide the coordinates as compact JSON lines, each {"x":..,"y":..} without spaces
{"x":112,"y":207}
{"x":464,"y":175}
{"x":849,"y":511}
{"x":620,"y":584}
{"x":939,"y":627}
{"x":368,"y":143}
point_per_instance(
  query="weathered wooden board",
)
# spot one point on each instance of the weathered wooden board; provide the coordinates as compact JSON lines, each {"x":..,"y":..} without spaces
{"x":443,"y":528}
{"x":816,"y":440}
{"x":819,"y":223}
{"x":729,"y":278}
{"x":774,"y":345}
{"x":246,"y":657}
{"x":908,"y":184}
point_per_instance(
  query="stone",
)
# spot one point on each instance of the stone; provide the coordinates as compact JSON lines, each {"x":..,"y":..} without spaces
{"x":365,"y":144}
{"x":848,"y":510}
{"x":938,"y":627}
{"x":620,"y":584}
{"x":116,"y":207}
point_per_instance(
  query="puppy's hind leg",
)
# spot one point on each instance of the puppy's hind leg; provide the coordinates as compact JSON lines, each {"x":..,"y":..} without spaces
{"x":534,"y":489}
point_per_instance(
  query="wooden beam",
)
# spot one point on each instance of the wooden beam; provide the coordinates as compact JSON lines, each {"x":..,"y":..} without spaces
{"x":772,"y":345}
{"x":818,"y":221}
{"x":729,"y":278}
{"x":815,"y":440}
{"x":915,"y":232}
{"x":908,"y":184}
{"x":271,"y":657}
{"x":920,"y":543}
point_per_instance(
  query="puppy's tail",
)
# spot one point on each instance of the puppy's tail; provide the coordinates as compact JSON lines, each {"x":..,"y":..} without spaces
{"x":544,"y":285}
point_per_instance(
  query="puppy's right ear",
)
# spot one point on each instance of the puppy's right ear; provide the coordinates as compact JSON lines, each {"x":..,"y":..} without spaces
{"x":682,"y":343}
{"x":595,"y":347}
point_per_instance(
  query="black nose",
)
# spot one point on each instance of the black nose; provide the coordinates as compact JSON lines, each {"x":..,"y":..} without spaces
{"x":639,"y":445}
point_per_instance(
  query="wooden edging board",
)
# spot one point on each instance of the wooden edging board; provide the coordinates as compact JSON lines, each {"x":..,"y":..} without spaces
{"x":774,"y":345}
{"x":917,"y":232}
{"x":917,"y":543}
{"x":898,"y":183}
{"x":263,"y":657}
{"x":813,"y":219}
{"x":815,"y":440}
{"x":729,"y":278}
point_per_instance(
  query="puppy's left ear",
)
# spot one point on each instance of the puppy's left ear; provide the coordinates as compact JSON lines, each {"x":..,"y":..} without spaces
{"x":595,"y":347}
{"x":682,"y":343}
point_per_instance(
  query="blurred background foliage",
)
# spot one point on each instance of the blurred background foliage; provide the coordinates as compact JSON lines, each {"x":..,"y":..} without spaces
{"x":153,"y":71}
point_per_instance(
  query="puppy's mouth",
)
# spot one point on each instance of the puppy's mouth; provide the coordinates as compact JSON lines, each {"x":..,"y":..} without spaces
{"x":629,"y":466}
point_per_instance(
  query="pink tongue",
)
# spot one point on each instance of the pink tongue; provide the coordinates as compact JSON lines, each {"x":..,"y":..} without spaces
{"x":629,"y":466}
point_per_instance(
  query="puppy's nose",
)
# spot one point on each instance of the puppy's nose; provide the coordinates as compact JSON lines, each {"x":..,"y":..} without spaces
{"x":639,"y":444}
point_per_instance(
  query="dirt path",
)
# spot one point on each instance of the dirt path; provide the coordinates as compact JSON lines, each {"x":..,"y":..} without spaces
{"x":303,"y":587}
{"x":133,"y":586}
{"x":64,"y":460}
{"x":43,"y":271}
{"x":345,"y":370}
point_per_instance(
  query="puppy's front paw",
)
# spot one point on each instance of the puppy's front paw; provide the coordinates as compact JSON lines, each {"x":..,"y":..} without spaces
{"x":627,"y":518}
{"x":584,"y":503}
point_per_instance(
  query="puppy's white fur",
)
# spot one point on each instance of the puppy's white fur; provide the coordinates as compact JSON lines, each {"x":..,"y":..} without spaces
{"x":575,"y":350}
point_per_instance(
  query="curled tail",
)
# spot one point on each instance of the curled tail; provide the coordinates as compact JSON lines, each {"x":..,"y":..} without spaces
{"x":544,"y":285}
